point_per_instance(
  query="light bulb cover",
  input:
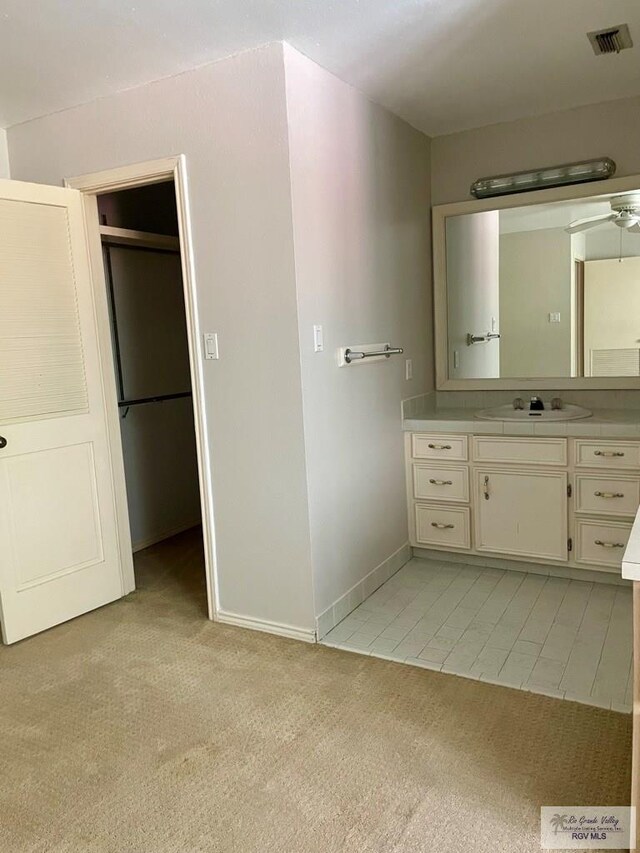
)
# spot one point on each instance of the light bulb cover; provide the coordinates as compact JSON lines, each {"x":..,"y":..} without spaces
{"x":537,"y":179}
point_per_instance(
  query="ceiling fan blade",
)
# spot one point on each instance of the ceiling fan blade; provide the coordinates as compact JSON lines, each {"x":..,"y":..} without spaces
{"x":635,"y":229}
{"x":591,"y":222}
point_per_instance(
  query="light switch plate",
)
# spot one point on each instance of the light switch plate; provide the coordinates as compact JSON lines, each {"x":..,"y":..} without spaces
{"x":211,"y":345}
{"x":318,"y":339}
{"x":408,"y":368}
{"x":554,"y":317}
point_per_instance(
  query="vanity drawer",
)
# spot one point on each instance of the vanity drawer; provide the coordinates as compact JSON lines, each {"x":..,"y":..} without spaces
{"x":445,"y":526}
{"x":601,"y":543}
{"x":607,"y":454}
{"x":521,"y":451}
{"x":439,"y":447}
{"x":440,"y":483}
{"x":602,"y":495}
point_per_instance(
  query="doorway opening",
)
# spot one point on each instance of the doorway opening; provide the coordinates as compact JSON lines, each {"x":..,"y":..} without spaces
{"x":141,"y":253}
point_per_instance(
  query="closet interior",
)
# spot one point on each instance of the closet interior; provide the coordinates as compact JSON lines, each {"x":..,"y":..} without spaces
{"x":141,"y":252}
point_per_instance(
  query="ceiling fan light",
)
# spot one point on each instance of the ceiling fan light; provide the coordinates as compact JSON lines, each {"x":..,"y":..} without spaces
{"x":535,"y":179}
{"x":626,"y":219}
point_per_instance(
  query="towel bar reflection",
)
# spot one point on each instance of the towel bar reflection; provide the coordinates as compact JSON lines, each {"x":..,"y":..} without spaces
{"x":350,"y":355}
{"x":481,"y":339}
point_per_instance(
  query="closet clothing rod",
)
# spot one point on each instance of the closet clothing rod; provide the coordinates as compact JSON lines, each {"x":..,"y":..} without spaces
{"x":159,"y":399}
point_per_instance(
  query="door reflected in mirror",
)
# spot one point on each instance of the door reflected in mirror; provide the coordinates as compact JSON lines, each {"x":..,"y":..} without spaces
{"x":545,"y":290}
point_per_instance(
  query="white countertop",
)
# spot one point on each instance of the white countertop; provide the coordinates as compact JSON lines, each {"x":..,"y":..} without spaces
{"x":604,"y":423}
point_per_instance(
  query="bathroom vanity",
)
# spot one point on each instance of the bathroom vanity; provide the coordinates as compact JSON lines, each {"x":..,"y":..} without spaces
{"x":558,"y":500}
{"x":534,"y":292}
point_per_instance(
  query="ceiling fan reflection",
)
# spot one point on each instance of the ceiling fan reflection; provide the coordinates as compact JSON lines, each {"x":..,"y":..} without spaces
{"x":625,"y":213}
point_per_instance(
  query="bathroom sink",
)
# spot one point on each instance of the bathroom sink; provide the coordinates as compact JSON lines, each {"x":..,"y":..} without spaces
{"x":568,"y":412}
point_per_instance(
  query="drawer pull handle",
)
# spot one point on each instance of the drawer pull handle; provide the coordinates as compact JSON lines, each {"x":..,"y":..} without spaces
{"x":442,"y":526}
{"x":609,"y":494}
{"x":608,"y":453}
{"x":485,"y":490}
{"x":441,"y":482}
{"x":609,"y":544}
{"x":439,"y":446}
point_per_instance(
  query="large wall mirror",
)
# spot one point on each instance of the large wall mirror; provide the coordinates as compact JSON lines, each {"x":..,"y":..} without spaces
{"x":541,"y":289}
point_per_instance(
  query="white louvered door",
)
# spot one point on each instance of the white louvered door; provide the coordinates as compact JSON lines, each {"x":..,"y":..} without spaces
{"x":58,"y":536}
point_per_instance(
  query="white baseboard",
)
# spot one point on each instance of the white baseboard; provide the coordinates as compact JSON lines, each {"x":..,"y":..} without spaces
{"x":148,"y":541}
{"x":363,"y":589}
{"x":307,"y":635}
{"x":551,"y":570}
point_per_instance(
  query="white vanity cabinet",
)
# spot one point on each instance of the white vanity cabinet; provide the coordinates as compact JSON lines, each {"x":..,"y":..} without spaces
{"x":549,"y":500}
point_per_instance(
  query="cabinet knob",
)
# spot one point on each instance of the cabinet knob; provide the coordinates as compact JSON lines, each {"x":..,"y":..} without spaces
{"x":441,"y":482}
{"x":442,"y":526}
{"x":608,"y":453}
{"x":609,"y":494}
{"x":3,"y":442}
{"x":439,"y":446}
{"x":609,"y":544}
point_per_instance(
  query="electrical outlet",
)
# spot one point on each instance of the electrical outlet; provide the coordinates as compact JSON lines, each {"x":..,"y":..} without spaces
{"x":408,"y":368}
{"x":318,"y":339}
{"x":554,"y":317}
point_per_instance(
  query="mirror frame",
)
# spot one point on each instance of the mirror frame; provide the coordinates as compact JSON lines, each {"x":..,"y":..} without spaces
{"x":439,"y":216}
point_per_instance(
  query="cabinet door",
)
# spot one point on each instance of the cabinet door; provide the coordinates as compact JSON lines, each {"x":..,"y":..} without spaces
{"x":521,"y":513}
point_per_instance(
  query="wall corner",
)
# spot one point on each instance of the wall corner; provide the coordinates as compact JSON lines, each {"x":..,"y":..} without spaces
{"x":4,"y":155}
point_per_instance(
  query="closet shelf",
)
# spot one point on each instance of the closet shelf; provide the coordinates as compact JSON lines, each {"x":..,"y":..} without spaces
{"x":113,"y":236}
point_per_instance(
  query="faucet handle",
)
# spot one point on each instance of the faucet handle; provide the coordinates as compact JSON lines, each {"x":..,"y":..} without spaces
{"x":556,"y":403}
{"x":518,"y":403}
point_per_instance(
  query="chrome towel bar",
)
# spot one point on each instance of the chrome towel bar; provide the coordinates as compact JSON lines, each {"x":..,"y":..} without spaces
{"x":350,"y":355}
{"x":481,"y":339}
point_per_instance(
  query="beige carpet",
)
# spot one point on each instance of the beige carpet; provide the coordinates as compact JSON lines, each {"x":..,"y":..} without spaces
{"x":142,"y":727}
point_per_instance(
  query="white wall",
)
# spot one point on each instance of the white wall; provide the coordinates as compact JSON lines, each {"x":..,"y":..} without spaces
{"x":162,"y":487}
{"x":158,"y":439}
{"x":473,"y":305}
{"x":229,"y":119}
{"x":4,"y":155}
{"x":611,"y":129}
{"x":360,"y":189}
{"x":610,"y":242}
{"x":535,"y":280}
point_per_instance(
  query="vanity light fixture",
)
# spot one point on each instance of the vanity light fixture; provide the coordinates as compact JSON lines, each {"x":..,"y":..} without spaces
{"x":537,"y":179}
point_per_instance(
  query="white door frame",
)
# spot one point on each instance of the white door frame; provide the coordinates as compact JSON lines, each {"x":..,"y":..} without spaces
{"x":113,"y":180}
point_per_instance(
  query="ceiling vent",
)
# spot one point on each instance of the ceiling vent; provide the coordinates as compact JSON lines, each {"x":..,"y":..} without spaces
{"x":611,"y":40}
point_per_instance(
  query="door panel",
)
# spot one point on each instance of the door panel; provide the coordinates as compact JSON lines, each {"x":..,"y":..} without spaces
{"x":41,"y":359}
{"x":58,"y":535}
{"x":45,"y":548}
{"x":521,"y":513}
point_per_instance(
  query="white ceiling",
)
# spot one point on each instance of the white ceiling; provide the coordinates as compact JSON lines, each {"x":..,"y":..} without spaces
{"x":444,"y":65}
{"x":557,"y":214}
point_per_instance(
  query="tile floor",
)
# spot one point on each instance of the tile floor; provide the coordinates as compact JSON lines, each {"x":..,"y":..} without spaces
{"x":565,"y":638}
